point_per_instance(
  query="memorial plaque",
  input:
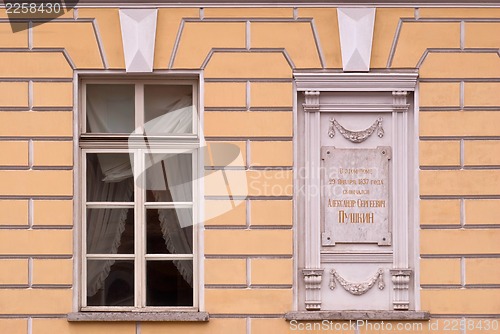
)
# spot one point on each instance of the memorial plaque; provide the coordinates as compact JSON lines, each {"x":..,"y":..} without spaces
{"x":355,"y":195}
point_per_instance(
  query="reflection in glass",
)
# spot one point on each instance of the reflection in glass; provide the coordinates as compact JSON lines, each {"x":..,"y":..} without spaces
{"x":169,"y":177}
{"x":110,"y":231}
{"x":109,"y":177}
{"x":168,"y":109}
{"x":169,"y":231}
{"x":111,"y":287}
{"x":169,"y":283}
{"x":110,"y":108}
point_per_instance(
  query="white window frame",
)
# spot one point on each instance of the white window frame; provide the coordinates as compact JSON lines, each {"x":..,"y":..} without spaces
{"x":168,"y":144}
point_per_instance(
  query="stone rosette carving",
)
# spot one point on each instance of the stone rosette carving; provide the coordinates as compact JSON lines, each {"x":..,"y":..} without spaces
{"x":356,"y":136}
{"x":357,"y":289}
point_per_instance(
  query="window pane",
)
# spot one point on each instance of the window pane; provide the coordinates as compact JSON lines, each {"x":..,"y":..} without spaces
{"x":110,"y":283}
{"x":109,"y":177}
{"x":110,"y":231}
{"x":169,"y":231}
{"x":110,"y":108}
{"x":169,"y":283}
{"x":169,"y":177}
{"x":168,"y":109}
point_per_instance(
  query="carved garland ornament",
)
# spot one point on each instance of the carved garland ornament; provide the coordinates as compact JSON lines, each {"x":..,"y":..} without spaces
{"x":357,"y":289}
{"x":356,"y":136}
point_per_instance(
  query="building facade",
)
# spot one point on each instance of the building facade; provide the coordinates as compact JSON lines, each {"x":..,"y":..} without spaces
{"x":247,"y":168}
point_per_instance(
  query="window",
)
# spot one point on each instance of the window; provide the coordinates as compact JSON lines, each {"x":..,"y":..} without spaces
{"x":139,"y":144}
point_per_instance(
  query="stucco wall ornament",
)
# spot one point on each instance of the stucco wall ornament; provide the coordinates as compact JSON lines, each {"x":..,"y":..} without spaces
{"x":357,"y":289}
{"x":356,"y":136}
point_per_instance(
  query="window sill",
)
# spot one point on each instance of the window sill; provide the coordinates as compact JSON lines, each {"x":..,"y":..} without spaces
{"x":357,"y":315}
{"x":138,"y":316}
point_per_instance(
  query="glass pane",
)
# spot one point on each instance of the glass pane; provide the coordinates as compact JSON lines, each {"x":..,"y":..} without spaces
{"x":110,"y":283}
{"x":169,"y":283}
{"x":168,"y":109}
{"x":169,"y":177}
{"x":109,"y":177}
{"x":110,"y":108}
{"x":169,"y":231}
{"x":110,"y":231}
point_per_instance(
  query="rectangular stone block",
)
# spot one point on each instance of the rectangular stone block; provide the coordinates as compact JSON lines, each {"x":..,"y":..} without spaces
{"x":482,"y":271}
{"x":439,"y":153}
{"x":271,"y":271}
{"x":53,"y":212}
{"x":52,"y":271}
{"x":225,"y":94}
{"x":248,"y":124}
{"x":271,"y":212}
{"x":9,"y":39}
{"x":477,"y":241}
{"x":440,"y":271}
{"x":36,"y":242}
{"x":225,"y":271}
{"x":482,"y":152}
{"x":36,"y":124}
{"x":248,"y":301}
{"x":271,"y":94}
{"x":51,"y":326}
{"x":460,"y":182}
{"x":440,"y":212}
{"x":482,"y":34}
{"x":14,"y":271}
{"x":214,"y":326}
{"x":233,"y":12}
{"x":27,"y":65}
{"x":482,"y":94}
{"x":13,"y":212}
{"x":52,"y":94}
{"x":461,"y":301}
{"x":13,"y":153}
{"x":14,"y":326}
{"x":225,"y":212}
{"x":36,"y":301}
{"x":270,"y":325}
{"x":248,"y":65}
{"x":433,"y":12}
{"x":461,"y":123}
{"x":439,"y":94}
{"x":53,"y":153}
{"x":13,"y":94}
{"x":460,"y":65}
{"x":226,"y":154}
{"x":248,"y":242}
{"x":271,"y":153}
{"x":482,"y":211}
{"x":36,"y":182}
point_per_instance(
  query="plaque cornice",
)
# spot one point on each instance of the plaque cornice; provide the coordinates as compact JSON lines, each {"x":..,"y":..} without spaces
{"x":349,"y":82}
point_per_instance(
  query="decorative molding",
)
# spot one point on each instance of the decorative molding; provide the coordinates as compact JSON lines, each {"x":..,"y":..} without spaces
{"x":138,"y":27}
{"x":399,"y":101}
{"x":312,"y":280}
{"x":357,"y":289}
{"x":355,"y":82}
{"x":401,"y":285}
{"x":357,"y":315}
{"x":357,"y":107}
{"x":362,"y":257}
{"x":311,"y":101}
{"x":356,"y":36}
{"x":356,"y":136}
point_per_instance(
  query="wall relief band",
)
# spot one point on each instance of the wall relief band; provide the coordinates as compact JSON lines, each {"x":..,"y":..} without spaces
{"x":356,"y":136}
{"x":357,"y":289}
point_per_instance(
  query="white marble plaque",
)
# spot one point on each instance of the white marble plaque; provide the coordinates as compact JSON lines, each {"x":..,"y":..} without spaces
{"x":355,"y":195}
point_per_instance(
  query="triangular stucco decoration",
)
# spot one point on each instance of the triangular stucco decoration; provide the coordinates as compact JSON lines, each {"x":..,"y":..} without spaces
{"x":138,"y":35}
{"x":356,"y":36}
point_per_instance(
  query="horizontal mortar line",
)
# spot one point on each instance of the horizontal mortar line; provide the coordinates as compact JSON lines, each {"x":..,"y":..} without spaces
{"x":33,"y":316}
{"x":52,"y":168}
{"x":44,"y":20}
{"x":483,"y":108}
{"x":19,"y":109}
{"x":52,"y":227}
{"x":439,"y":19}
{"x":216,"y":168}
{"x":455,"y":80}
{"x":427,"y":109}
{"x":27,"y":227}
{"x":39,"y":257}
{"x":265,"y":257}
{"x":423,"y":197}
{"x":271,"y":227}
{"x":240,"y":80}
{"x":245,"y":109}
{"x":251,"y":138}
{"x":465,"y":50}
{"x":441,"y":286}
{"x":27,"y":168}
{"x":271,"y":286}
{"x":245,"y":19}
{"x":3,"y":197}
{"x":438,"y":168}
{"x":39,"y":110}
{"x":52,"y":109}
{"x":51,"y":286}
{"x":226,"y":109}
{"x":460,"y":315}
{"x":267,"y":198}
{"x":425,"y":138}
{"x":482,"y":286}
{"x":247,"y":315}
{"x":225,"y":286}
{"x":247,"y":228}
{"x":453,"y":256}
{"x":251,"y":168}
{"x":11,"y":138}
{"x":7,"y":167}
{"x":459,"y":227}
{"x":21,"y":79}
{"x":14,"y":286}
{"x":271,"y":109}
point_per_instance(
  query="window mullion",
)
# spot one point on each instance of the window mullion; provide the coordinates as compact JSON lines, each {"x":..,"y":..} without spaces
{"x":138,"y":229}
{"x":139,"y":108}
